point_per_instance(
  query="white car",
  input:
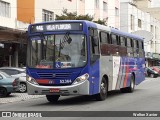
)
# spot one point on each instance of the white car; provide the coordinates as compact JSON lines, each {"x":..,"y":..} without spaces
{"x":19,"y":73}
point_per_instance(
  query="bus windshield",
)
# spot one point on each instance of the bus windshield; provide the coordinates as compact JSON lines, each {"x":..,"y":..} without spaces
{"x":58,"y":51}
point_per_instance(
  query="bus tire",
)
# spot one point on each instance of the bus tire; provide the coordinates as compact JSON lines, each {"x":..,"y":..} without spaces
{"x":129,"y":89}
{"x":52,"y":98}
{"x":103,"y":90}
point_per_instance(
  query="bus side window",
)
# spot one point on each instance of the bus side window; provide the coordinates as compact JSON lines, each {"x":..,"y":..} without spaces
{"x":129,"y":47}
{"x":122,"y":41}
{"x":141,"y":47}
{"x":94,"y":46}
{"x":114,"y":39}
{"x":104,"y":46}
{"x":136,"y":53}
{"x":123,"y":48}
{"x":104,"y":38}
{"x":114,"y":44}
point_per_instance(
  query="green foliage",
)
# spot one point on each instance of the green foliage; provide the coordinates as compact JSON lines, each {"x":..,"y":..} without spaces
{"x":84,"y":17}
{"x":67,"y":15}
{"x":102,"y":22}
{"x":73,"y":16}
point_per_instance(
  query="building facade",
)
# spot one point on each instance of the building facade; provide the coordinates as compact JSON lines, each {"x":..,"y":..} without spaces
{"x":11,"y":34}
{"x":134,"y":19}
{"x":33,"y":11}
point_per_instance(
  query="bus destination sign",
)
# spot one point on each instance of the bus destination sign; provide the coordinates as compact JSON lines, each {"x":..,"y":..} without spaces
{"x":56,"y":27}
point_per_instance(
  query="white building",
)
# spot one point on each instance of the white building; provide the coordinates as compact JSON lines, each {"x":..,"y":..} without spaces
{"x":133,"y":19}
{"x":8,"y":15}
{"x":108,"y":10}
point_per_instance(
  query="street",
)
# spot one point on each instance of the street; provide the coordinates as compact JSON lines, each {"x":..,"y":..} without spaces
{"x":145,"y":98}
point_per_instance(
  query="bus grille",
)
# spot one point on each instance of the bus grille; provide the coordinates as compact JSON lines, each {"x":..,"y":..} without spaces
{"x":54,"y":75}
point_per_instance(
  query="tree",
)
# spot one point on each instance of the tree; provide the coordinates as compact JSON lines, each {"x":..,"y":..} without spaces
{"x":67,"y":15}
{"x":102,"y":22}
{"x":73,"y":16}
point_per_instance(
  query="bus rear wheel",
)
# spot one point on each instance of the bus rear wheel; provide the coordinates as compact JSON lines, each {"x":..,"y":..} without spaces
{"x":103,"y":90}
{"x":129,"y":89}
{"x":52,"y":98}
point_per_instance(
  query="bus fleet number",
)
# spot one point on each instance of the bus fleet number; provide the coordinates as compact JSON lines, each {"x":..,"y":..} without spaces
{"x":65,"y":81}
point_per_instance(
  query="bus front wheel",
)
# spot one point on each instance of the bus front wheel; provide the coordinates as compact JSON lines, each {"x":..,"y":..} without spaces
{"x":103,"y":90}
{"x":52,"y":98}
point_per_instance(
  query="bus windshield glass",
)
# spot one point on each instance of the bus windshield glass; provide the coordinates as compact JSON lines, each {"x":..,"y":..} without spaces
{"x":58,"y":51}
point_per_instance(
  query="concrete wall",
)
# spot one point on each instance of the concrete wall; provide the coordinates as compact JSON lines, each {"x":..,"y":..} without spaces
{"x":127,"y":10}
{"x":109,"y":15}
{"x":56,"y":6}
{"x":25,"y":10}
{"x":113,"y":20}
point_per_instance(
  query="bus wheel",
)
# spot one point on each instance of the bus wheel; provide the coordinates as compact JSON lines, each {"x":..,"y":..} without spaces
{"x":132,"y":85}
{"x":103,"y":90}
{"x":52,"y":98}
{"x":129,"y":89}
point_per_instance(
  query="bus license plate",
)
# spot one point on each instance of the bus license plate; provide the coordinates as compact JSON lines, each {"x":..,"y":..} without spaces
{"x":54,"y":90}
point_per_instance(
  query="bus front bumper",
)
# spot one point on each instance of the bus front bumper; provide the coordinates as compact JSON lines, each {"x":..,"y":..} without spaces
{"x":77,"y":89}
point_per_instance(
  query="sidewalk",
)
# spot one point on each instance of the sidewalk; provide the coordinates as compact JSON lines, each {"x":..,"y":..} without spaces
{"x":14,"y":97}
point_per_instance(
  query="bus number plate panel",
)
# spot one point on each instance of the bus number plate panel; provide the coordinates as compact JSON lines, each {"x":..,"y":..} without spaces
{"x":54,"y":90}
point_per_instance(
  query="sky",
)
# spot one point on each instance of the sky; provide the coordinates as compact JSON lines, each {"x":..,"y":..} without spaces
{"x":156,"y":3}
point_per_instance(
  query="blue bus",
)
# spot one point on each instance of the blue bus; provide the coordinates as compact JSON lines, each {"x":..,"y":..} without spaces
{"x":79,"y":57}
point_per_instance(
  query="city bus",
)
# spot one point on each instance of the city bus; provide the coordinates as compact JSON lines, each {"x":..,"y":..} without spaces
{"x":79,"y":57}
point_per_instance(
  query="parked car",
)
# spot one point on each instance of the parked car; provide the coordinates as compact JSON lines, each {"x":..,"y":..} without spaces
{"x":150,"y":72}
{"x":156,"y":68}
{"x":19,"y":73}
{"x":8,"y":84}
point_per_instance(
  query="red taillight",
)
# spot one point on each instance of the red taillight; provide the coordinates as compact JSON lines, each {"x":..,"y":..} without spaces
{"x":14,"y":83}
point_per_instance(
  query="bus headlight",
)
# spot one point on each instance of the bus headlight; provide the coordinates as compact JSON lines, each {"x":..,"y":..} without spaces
{"x":31,"y":80}
{"x":81,"y":78}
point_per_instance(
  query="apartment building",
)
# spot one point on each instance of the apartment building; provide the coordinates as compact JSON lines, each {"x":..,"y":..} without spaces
{"x":12,"y":33}
{"x":108,"y":10}
{"x":33,"y":11}
{"x":134,"y":19}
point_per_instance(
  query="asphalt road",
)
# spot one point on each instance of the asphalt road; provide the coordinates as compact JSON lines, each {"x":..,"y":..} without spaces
{"x":146,"y":97}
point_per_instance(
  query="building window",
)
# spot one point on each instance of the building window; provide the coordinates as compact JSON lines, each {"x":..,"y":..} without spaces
{"x":156,"y":33}
{"x":105,"y":7}
{"x":97,"y":3}
{"x":139,"y":23}
{"x":116,"y":11}
{"x":132,"y":22}
{"x":47,"y":15}
{"x":4,"y":9}
{"x":152,"y":28}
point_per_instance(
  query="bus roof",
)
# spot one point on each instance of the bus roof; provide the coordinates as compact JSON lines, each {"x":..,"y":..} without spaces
{"x":122,"y":33}
{"x":95,"y":25}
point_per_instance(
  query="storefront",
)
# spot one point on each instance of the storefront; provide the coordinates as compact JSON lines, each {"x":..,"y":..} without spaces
{"x":12,"y":47}
{"x":152,"y":59}
{"x":156,"y":58}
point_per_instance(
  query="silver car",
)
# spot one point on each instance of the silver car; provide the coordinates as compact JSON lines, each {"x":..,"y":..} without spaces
{"x":19,"y":73}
